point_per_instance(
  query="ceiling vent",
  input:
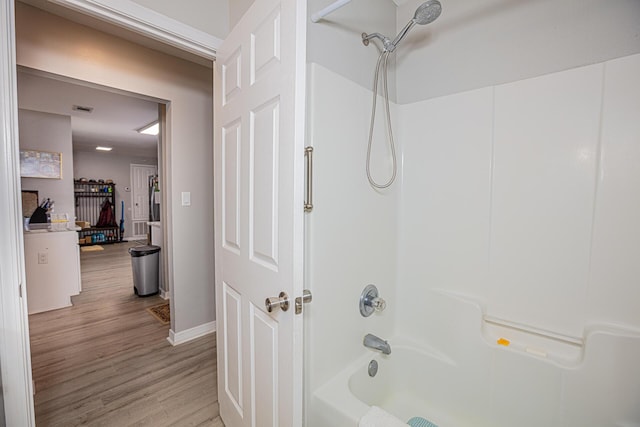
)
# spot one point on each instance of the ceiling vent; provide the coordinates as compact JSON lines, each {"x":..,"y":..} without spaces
{"x":82,"y":108}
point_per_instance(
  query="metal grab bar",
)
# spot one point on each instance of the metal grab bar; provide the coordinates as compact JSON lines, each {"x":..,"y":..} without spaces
{"x":308,"y":200}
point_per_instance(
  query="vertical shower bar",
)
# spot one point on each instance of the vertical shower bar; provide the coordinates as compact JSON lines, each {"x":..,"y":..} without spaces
{"x":329,"y":9}
{"x":308,"y":202}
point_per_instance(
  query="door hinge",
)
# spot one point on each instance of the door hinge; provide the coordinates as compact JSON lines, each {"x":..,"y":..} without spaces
{"x":20,"y":290}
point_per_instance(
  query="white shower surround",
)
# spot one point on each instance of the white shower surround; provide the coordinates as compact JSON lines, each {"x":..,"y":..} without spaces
{"x":527,"y":195}
{"x":523,"y":198}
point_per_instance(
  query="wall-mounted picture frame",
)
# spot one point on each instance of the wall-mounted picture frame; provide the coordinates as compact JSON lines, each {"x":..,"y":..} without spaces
{"x":40,"y":164}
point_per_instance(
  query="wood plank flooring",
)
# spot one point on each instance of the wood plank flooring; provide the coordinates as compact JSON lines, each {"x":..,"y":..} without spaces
{"x":106,"y":361}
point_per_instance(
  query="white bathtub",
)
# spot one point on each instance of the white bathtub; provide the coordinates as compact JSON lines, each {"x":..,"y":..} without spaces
{"x":401,"y":387}
{"x":470,"y":381}
{"x":408,"y":384}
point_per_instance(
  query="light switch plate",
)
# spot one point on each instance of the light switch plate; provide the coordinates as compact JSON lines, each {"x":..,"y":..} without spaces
{"x":186,"y":198}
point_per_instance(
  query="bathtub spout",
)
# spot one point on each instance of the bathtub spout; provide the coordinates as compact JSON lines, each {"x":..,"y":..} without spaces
{"x":372,"y":341}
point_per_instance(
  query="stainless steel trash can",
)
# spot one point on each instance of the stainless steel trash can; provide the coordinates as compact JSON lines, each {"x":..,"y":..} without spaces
{"x":144,"y":262}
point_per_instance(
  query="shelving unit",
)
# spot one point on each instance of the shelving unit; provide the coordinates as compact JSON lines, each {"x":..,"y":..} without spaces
{"x":89,"y":197}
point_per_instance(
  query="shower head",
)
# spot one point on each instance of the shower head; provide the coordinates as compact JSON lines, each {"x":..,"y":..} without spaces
{"x":426,"y":13}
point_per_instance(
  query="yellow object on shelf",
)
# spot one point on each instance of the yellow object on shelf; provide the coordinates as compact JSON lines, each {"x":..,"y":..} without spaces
{"x":503,"y":341}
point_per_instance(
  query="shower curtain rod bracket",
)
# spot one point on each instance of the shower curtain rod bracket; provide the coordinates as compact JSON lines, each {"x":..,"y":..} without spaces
{"x":328,"y":10}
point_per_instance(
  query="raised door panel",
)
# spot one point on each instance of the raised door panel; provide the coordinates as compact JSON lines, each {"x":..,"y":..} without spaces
{"x":265,"y":47}
{"x":232,"y":347}
{"x":231,"y":77}
{"x":231,"y":168}
{"x":264,"y":369}
{"x":263,"y":210}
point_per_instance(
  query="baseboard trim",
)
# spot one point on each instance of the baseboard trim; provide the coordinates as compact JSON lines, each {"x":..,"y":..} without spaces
{"x":133,"y":238}
{"x":165,"y":295}
{"x":177,"y":338}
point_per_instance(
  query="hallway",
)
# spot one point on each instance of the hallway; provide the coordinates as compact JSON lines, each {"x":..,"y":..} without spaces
{"x":105,"y":361}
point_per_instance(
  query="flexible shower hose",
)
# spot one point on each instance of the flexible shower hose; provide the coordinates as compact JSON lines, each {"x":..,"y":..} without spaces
{"x":383,"y":60}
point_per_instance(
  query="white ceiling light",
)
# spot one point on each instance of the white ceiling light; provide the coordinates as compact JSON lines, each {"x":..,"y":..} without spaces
{"x":150,"y":129}
{"x":104,"y":148}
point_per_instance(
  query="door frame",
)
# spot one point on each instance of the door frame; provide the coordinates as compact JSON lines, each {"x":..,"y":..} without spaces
{"x":15,"y":353}
{"x":144,"y":21}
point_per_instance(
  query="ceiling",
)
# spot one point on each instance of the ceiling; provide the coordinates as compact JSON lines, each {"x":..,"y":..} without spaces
{"x":113,"y":122}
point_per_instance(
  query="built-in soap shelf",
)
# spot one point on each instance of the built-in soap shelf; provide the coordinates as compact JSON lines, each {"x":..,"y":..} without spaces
{"x":539,"y":343}
{"x":530,"y":341}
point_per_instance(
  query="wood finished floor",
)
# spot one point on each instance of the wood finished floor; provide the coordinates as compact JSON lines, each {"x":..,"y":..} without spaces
{"x":106,"y":360}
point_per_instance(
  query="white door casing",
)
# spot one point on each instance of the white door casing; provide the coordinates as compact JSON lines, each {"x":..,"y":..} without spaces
{"x":259,"y":152}
{"x":15,"y":360}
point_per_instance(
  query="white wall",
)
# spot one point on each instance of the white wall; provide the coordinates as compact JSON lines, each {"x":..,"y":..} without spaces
{"x":210,"y":16}
{"x":520,"y":202}
{"x":114,"y":166}
{"x":237,"y":8}
{"x":612,"y":291}
{"x":52,"y":44}
{"x":49,"y":132}
{"x":477,"y":44}
{"x":352,"y":229}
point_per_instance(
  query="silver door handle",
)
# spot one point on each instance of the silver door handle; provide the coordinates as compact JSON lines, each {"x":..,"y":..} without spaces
{"x":280,"y":302}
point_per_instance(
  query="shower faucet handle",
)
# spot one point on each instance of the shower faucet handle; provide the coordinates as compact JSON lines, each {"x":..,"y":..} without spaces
{"x":370,"y":301}
{"x":378,"y":304}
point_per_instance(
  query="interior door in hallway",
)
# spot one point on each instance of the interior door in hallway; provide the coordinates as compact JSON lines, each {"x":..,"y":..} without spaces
{"x":259,"y":153}
{"x":140,"y":195}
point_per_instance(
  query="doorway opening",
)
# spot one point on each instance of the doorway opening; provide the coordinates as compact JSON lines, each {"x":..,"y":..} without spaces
{"x":94,"y":131}
{"x":134,"y":69}
{"x":90,"y":334}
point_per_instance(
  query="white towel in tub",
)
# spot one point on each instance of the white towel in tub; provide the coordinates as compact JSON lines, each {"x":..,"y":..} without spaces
{"x":377,"y":417}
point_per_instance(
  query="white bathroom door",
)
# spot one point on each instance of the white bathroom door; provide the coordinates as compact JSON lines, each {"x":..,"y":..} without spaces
{"x":259,"y":152}
{"x":140,"y":191}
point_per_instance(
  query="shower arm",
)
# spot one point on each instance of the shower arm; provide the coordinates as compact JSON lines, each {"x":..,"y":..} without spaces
{"x":386,"y":41}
